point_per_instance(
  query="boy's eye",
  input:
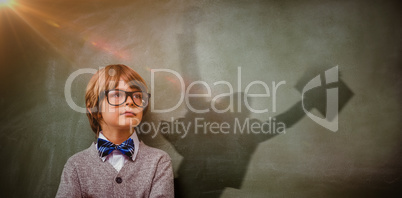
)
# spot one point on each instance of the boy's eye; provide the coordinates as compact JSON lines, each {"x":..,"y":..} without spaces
{"x":137,"y":96}
{"x":115,"y":94}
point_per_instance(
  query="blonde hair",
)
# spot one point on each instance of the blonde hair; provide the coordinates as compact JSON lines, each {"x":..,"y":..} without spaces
{"x":105,"y":79}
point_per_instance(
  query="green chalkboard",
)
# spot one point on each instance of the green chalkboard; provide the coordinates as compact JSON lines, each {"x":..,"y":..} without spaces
{"x":287,"y":141}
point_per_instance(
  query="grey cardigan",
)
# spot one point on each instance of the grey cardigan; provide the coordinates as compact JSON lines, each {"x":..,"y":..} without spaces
{"x":86,"y":175}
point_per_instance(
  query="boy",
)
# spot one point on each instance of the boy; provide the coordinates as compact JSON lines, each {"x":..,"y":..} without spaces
{"x":117,"y":165}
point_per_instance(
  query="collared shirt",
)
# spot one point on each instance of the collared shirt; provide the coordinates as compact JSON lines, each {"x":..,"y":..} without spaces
{"x":151,"y":175}
{"x":116,"y":158}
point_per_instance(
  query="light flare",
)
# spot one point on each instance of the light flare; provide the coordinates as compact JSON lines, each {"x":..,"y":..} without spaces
{"x":59,"y":31}
{"x":8,"y":3}
{"x":107,"y":48}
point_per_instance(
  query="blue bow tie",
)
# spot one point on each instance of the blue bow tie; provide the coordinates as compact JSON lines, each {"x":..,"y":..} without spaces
{"x":105,"y":147}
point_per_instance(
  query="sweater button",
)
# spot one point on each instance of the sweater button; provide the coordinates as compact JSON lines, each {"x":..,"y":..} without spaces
{"x":119,"y":180}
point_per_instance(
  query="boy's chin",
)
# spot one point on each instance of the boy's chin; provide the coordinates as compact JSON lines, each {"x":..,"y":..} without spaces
{"x":129,"y":122}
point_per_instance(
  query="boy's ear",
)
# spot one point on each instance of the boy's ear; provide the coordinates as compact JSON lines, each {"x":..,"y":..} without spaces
{"x":92,"y":110}
{"x":89,"y":110}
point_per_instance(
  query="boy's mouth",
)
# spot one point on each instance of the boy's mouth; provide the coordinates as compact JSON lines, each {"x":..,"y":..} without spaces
{"x":128,"y":113}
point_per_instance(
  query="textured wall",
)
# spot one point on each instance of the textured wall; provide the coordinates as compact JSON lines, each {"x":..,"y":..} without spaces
{"x":43,"y":42}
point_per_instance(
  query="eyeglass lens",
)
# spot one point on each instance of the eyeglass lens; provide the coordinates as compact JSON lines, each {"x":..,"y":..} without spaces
{"x":118,"y":97}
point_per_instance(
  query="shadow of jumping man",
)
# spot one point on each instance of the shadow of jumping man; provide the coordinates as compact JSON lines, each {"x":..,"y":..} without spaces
{"x":217,"y":147}
{"x":216,"y":157}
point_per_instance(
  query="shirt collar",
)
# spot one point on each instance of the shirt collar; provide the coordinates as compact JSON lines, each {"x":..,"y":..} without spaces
{"x":136,"y":144}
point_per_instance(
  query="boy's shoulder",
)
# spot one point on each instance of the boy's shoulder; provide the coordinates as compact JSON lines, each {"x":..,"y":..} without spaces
{"x":82,"y":157}
{"x":148,"y":152}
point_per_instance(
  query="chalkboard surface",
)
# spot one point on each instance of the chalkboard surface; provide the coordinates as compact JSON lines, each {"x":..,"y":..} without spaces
{"x":237,"y":49}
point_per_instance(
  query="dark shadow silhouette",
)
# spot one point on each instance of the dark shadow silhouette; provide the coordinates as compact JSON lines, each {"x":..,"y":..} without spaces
{"x":211,"y":160}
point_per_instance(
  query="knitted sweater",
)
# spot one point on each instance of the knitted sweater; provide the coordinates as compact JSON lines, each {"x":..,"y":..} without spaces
{"x":86,"y":175}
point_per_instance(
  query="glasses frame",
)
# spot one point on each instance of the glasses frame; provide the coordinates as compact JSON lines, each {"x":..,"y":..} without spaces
{"x":128,"y":93}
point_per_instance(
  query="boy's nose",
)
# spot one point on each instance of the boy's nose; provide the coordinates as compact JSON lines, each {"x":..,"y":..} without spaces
{"x":129,"y":101}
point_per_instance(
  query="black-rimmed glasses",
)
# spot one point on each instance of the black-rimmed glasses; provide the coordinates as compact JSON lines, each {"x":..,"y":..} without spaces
{"x":116,"y":97}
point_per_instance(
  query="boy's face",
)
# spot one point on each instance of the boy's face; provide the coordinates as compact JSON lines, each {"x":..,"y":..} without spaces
{"x":123,"y":116}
